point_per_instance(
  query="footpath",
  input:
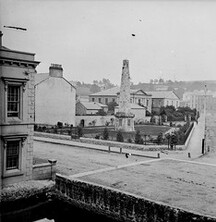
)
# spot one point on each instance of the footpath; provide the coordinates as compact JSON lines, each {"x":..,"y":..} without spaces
{"x":150,"y":154}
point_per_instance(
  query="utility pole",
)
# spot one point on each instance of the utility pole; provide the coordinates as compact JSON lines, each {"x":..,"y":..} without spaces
{"x":204,"y":139}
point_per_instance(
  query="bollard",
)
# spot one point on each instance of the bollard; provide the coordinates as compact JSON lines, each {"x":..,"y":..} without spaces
{"x":121,"y":150}
{"x":158,"y":155}
{"x":109,"y":149}
{"x":189,"y":156}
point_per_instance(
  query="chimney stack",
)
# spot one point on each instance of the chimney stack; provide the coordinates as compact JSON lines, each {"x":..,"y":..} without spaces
{"x":56,"y":70}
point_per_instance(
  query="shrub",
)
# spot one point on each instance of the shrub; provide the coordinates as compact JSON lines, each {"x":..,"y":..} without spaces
{"x":119,"y":136}
{"x":138,"y":138}
{"x":35,"y":127}
{"x":105,"y":134}
{"x":79,"y":131}
{"x":159,"y":138}
{"x":97,"y":137}
{"x":129,"y":140}
{"x":59,"y":124}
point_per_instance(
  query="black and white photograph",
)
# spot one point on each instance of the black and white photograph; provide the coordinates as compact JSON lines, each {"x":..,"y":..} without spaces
{"x":108,"y":110}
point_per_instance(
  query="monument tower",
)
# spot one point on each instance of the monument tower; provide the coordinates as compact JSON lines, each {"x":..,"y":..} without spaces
{"x":124,"y":117}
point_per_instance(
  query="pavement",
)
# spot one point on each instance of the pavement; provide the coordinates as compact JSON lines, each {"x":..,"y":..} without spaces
{"x":150,"y":154}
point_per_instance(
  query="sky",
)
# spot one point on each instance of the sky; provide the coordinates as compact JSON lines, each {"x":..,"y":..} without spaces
{"x":173,"y":39}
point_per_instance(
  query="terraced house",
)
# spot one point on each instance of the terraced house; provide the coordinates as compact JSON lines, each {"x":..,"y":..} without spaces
{"x":163,"y":98}
{"x":17,"y":73}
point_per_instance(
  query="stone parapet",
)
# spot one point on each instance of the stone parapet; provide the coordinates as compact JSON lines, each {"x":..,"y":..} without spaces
{"x":121,"y":205}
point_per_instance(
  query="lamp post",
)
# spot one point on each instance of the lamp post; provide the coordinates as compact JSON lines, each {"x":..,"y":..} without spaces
{"x":204,"y":139}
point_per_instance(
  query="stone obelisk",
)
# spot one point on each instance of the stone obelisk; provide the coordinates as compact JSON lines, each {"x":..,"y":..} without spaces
{"x":124,"y":117}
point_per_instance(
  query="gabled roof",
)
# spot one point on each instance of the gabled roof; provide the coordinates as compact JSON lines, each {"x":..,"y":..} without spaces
{"x":163,"y":95}
{"x":92,"y":105}
{"x":116,"y":90}
{"x":108,"y":92}
{"x":40,"y":77}
{"x":134,"y":106}
{"x":135,"y":91}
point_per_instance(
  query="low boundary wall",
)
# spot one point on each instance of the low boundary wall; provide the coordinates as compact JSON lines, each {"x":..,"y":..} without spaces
{"x":44,"y":171}
{"x":117,"y":144}
{"x":121,"y":205}
{"x":128,"y":145}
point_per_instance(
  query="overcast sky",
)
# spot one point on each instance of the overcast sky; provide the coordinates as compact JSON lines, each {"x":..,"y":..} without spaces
{"x":173,"y":39}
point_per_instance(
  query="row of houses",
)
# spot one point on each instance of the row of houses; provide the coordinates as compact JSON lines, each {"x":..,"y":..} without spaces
{"x":199,"y":100}
{"x":55,"y":100}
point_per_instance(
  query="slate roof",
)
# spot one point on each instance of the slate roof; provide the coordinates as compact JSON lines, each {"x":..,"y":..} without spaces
{"x":93,"y":105}
{"x":134,"y":106}
{"x":163,"y":95}
{"x":114,"y":91}
{"x":108,"y":92}
{"x":40,"y":77}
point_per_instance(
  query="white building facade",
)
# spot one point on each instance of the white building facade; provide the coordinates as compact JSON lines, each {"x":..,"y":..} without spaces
{"x":55,"y":98}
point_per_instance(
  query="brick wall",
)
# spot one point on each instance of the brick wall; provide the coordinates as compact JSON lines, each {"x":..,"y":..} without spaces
{"x":120,"y":205}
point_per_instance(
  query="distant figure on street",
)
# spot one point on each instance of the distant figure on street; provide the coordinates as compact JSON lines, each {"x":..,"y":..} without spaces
{"x":127,"y":155}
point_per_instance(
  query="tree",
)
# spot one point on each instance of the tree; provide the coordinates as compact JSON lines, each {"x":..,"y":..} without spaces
{"x":138,"y":139}
{"x":79,"y":131}
{"x":95,"y":88}
{"x":159,"y":138}
{"x":173,"y":140}
{"x":101,"y":112}
{"x":161,"y":81}
{"x":119,"y":136}
{"x":105,"y":134}
{"x":111,"y":106}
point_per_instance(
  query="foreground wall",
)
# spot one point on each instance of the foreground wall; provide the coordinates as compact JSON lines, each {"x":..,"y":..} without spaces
{"x":120,"y":205}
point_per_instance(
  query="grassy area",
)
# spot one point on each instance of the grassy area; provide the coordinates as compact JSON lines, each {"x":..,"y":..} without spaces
{"x":149,"y":130}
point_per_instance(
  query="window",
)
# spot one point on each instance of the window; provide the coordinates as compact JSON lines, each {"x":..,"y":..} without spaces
{"x":120,"y":122}
{"x":93,"y":99}
{"x":129,"y":123}
{"x":99,"y":100}
{"x":12,"y":155}
{"x":13,"y":101}
{"x":13,"y":145}
{"x":106,"y":100}
{"x":14,"y":89}
{"x":113,"y":100}
{"x":147,"y":102}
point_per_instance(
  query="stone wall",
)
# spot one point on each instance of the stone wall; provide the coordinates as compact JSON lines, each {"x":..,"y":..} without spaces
{"x":154,"y":147}
{"x":52,"y":135}
{"x":120,"y":205}
{"x":98,"y":120}
{"x":44,"y":171}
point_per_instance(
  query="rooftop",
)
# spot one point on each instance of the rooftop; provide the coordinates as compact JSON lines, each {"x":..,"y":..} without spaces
{"x":93,"y":105}
{"x":163,"y":94}
{"x":114,"y":91}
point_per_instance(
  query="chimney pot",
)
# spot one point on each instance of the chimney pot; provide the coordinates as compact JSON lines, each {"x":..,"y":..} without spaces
{"x":56,"y":70}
